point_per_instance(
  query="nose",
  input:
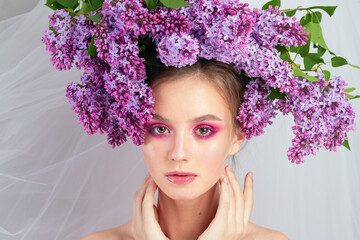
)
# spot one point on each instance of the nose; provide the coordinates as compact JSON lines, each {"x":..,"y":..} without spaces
{"x":178,"y":148}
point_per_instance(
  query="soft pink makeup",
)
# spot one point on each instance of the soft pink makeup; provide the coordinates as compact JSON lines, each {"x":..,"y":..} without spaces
{"x":213,"y":129}
{"x":152,"y":125}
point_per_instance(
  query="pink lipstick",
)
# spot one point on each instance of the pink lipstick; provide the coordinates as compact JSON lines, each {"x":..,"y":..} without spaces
{"x":180,"y":177}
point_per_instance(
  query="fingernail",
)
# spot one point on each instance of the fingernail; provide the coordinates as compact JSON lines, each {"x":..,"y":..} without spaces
{"x":150,"y":181}
{"x":226,"y":180}
{"x":251,"y":176}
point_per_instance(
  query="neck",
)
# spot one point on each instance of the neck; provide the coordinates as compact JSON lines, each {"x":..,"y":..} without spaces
{"x":187,"y":219}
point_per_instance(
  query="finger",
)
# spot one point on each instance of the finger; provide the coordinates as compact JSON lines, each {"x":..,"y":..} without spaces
{"x":224,"y":203}
{"x":148,"y":202}
{"x":156,"y":213}
{"x":138,"y":198}
{"x":249,"y":196}
{"x":238,"y":196}
{"x":232,"y":220}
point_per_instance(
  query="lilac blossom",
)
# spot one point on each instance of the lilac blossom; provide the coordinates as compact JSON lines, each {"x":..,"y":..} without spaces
{"x":322,"y":115}
{"x":59,"y":40}
{"x":273,"y":27}
{"x":256,"y":111}
{"x":178,"y":51}
{"x":82,"y":36}
{"x":221,"y":30}
{"x":266,"y":63}
{"x":113,"y":98}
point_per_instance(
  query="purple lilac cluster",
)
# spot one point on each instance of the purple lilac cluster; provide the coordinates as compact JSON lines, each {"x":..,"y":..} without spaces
{"x":273,"y":27}
{"x":113,"y":97}
{"x":322,"y":115}
{"x":256,"y":111}
{"x":266,"y":63}
{"x":221,"y":28}
{"x":59,"y":40}
{"x":179,"y":51}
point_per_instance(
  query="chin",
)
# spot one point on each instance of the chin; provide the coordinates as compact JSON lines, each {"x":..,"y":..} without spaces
{"x":181,"y":192}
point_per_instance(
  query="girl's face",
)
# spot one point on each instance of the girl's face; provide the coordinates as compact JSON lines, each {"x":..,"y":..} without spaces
{"x":192,"y":131}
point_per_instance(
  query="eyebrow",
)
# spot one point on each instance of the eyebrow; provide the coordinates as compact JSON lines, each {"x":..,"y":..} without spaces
{"x":197,"y":119}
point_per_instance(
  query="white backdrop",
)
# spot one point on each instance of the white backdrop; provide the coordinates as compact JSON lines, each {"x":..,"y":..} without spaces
{"x":58,"y":183}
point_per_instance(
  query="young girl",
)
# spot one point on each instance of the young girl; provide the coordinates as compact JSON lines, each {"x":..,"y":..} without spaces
{"x":192,"y":133}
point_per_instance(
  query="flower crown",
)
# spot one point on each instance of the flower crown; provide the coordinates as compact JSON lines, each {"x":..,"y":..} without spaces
{"x":113,"y":40}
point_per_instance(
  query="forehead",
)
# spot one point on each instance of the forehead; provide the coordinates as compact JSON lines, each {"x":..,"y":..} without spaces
{"x":187,"y":97}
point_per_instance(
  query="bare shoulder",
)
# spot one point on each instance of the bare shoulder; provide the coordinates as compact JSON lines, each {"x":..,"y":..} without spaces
{"x":122,"y":232}
{"x":261,"y":233}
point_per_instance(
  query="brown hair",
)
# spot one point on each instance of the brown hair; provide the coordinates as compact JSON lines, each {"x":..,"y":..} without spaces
{"x":224,"y":76}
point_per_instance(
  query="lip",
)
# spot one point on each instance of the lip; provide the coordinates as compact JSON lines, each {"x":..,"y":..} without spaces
{"x":180,"y":177}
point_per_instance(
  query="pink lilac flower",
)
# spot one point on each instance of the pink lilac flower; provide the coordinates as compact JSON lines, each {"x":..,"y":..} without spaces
{"x":221,"y":28}
{"x":82,"y":36}
{"x":322,"y":115}
{"x":256,"y":111}
{"x":178,"y":51}
{"x":90,"y":103}
{"x":113,"y":98}
{"x":273,"y":27}
{"x":266,"y":63}
{"x":59,"y":40}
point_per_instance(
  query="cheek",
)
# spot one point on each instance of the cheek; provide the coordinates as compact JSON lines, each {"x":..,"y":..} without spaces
{"x":213,"y":157}
{"x":150,"y":153}
{"x":155,"y":156}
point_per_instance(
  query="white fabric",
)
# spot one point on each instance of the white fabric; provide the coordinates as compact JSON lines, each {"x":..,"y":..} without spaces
{"x":57,"y":182}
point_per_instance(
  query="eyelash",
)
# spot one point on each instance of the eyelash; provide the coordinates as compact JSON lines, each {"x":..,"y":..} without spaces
{"x":154,"y":131}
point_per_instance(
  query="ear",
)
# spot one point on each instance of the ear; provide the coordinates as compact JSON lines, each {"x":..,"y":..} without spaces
{"x":237,"y":141}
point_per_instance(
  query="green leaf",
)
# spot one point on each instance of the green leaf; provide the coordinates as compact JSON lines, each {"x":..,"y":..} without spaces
{"x":349,"y":90}
{"x":95,"y":4}
{"x":61,"y":4}
{"x":276,"y":94}
{"x":53,"y":30}
{"x":329,"y":9}
{"x":316,"y":17}
{"x":302,"y":50}
{"x":290,"y":13}
{"x":338,"y":61}
{"x":316,"y":36}
{"x":305,"y":19}
{"x":311,"y":59}
{"x":284,"y":53}
{"x":95,"y":18}
{"x":174,"y":3}
{"x":54,"y":6}
{"x":349,"y":96}
{"x":346,"y":144}
{"x":299,"y":73}
{"x":272,"y":3}
{"x":151,"y":4}
{"x":354,"y":66}
{"x":90,"y":6}
{"x":92,"y":50}
{"x":85,"y":9}
{"x":327,"y":75}
{"x":321,"y":51}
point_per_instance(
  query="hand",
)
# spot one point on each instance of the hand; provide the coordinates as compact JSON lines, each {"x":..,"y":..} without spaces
{"x":233,"y":214}
{"x":144,"y":224}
